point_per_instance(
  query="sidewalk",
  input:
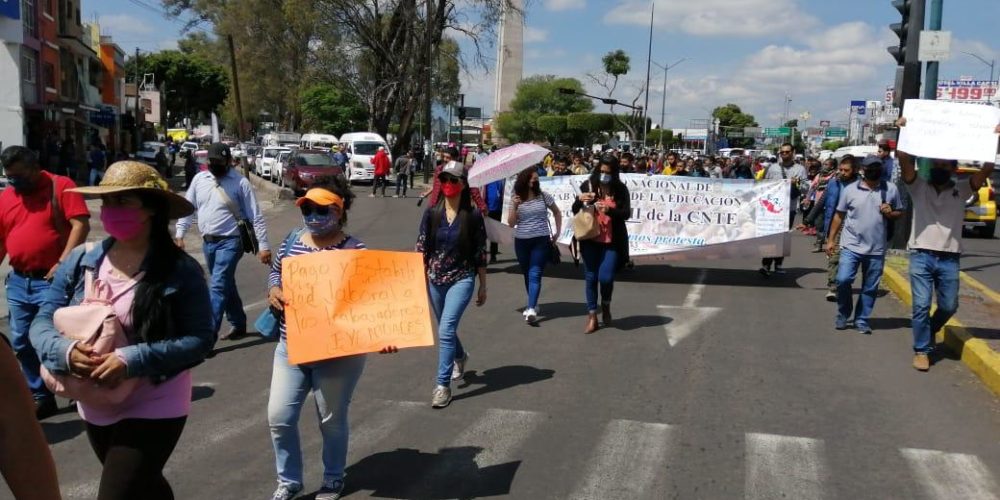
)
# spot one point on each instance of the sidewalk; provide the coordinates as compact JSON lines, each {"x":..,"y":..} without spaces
{"x":972,"y":334}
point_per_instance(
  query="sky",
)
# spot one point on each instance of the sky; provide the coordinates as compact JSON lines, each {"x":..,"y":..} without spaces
{"x":752,"y":53}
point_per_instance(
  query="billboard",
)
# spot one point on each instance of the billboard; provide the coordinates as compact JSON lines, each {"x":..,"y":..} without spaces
{"x":961,"y":91}
{"x":10,"y":9}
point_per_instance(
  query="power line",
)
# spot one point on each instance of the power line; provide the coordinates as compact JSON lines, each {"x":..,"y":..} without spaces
{"x":163,"y":12}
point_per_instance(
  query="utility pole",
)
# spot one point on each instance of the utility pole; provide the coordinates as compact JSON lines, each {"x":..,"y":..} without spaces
{"x":663,"y":103}
{"x":239,"y":102}
{"x":138,"y":121}
{"x":428,"y":130}
{"x":649,"y":61}
{"x":461,"y":122}
{"x":992,"y":63}
{"x":930,"y":86}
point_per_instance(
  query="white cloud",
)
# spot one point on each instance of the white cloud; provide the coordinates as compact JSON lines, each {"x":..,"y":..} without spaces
{"x":747,"y":18}
{"x":559,"y":5}
{"x":124,"y":24}
{"x":535,"y":35}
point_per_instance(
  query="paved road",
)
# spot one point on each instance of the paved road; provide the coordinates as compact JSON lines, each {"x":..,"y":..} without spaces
{"x":714,"y":383}
{"x":982,"y":260}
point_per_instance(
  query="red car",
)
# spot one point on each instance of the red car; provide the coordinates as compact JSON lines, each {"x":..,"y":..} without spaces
{"x":305,"y":167}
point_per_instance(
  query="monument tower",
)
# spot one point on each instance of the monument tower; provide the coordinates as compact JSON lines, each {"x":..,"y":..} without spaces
{"x":510,"y":55}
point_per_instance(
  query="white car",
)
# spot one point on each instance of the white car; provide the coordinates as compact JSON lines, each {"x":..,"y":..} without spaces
{"x":278,"y":169}
{"x":147,"y":153}
{"x":265,"y":162}
{"x":189,"y":146}
{"x":361,"y":148}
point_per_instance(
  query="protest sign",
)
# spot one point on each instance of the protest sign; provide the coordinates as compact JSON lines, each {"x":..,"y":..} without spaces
{"x":949,"y":131}
{"x":687,"y":218}
{"x":354,"y":301}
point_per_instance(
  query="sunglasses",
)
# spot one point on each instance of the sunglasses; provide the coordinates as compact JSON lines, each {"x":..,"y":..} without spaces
{"x":309,"y":209}
{"x":450,"y":180}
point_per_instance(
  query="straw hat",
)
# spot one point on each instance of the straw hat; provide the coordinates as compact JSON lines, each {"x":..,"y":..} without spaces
{"x":126,"y":176}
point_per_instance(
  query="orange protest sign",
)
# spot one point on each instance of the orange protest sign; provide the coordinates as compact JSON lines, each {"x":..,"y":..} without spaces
{"x":348,"y":302}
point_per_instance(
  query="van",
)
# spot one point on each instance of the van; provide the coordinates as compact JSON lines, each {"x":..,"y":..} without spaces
{"x":281,"y":139}
{"x":857,"y":151}
{"x":361,"y":148}
{"x":318,"y":141}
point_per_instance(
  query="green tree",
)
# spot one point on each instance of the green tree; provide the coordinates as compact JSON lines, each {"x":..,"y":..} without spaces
{"x":832,"y":145}
{"x":654,"y":137}
{"x":516,"y":127}
{"x":731,"y":116}
{"x":589,"y":127}
{"x":326,"y":108}
{"x":540,"y":94}
{"x":193,"y":86}
{"x":616,"y":64}
{"x":552,"y":126}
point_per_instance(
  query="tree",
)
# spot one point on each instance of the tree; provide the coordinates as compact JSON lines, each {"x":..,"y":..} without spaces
{"x":540,"y":94}
{"x":832,"y":145}
{"x":193,"y":86}
{"x":654,"y":136}
{"x":590,"y":126}
{"x":327,"y":108}
{"x":616,"y":64}
{"x":516,"y":127}
{"x":553,"y":126}
{"x":731,"y":116}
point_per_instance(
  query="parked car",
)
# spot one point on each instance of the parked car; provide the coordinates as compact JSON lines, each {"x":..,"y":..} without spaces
{"x":265,"y":162}
{"x":189,"y":146}
{"x":279,"y":166}
{"x":981,"y":207}
{"x":361,"y":147}
{"x":305,"y":167}
{"x":147,"y":152}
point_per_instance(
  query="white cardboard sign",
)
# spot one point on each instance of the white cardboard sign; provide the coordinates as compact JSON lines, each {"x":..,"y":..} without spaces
{"x":949,"y":131}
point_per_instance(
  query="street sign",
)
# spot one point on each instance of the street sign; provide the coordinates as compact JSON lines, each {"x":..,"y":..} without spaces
{"x":824,"y":123}
{"x":836,"y":132}
{"x":751,"y":131}
{"x":9,"y":9}
{"x":934,"y":46}
{"x":777,"y":132}
{"x":734,"y":134}
{"x":858,"y":107}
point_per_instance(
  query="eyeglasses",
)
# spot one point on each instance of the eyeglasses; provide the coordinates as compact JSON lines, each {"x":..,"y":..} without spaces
{"x":309,"y":209}
{"x":450,"y":180}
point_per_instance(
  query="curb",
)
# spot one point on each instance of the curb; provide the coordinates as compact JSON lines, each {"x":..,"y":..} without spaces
{"x":268,"y":188}
{"x":976,"y":354}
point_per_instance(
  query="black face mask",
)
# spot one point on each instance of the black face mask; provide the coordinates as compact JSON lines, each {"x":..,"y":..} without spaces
{"x":534,"y":186}
{"x":940,"y":176}
{"x":21,"y":184}
{"x":873,"y":174}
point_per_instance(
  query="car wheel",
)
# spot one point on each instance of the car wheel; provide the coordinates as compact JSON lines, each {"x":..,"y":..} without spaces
{"x":988,"y":230}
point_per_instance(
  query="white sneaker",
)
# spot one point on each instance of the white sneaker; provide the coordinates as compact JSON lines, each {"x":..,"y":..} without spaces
{"x":458,"y":368}
{"x":441,"y":397}
{"x":530,"y":315}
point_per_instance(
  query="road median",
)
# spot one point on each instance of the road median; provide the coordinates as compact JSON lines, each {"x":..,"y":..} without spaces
{"x":969,"y":334}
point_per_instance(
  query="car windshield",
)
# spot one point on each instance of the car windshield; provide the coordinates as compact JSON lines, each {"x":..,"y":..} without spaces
{"x":270,"y":153}
{"x":313,"y":160}
{"x":367,"y":148}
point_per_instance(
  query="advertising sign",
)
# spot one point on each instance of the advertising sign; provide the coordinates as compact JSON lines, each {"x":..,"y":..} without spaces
{"x":10,"y":9}
{"x":858,"y":107}
{"x":961,"y":91}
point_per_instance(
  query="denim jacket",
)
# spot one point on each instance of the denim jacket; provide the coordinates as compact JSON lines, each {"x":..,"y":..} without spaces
{"x":191,"y":312}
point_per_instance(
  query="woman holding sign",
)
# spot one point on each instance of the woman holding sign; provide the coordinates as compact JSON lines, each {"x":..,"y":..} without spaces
{"x":324,"y":213}
{"x":607,"y":253}
{"x":533,"y":237}
{"x":453,"y":241}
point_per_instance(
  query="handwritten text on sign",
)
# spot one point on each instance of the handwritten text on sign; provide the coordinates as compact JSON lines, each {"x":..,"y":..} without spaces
{"x":949,"y":131}
{"x":354,"y":301}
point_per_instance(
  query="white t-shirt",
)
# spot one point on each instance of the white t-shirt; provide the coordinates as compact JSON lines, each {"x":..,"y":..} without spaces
{"x":938,"y":217}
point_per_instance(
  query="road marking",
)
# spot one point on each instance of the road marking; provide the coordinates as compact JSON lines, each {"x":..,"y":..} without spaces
{"x":500,"y":433}
{"x":783,"y":467}
{"x":687,"y":318}
{"x":951,"y":475}
{"x":625,"y":463}
{"x":388,"y":417}
{"x":694,"y":295}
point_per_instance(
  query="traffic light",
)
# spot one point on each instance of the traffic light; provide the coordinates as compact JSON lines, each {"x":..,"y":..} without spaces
{"x":905,"y":54}
{"x":461,"y":113}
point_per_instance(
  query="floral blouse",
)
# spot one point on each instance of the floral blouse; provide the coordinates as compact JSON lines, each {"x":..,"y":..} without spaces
{"x":445,"y":264}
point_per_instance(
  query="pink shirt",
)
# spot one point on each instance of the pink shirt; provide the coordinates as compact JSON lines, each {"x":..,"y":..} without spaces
{"x":604,"y":222}
{"x":171,"y":399}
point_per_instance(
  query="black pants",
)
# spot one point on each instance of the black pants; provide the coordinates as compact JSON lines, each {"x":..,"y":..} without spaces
{"x":413,"y":175}
{"x":401,"y":184}
{"x":778,"y":261}
{"x":379,"y":181}
{"x":133,"y":453}
{"x":494,"y":247}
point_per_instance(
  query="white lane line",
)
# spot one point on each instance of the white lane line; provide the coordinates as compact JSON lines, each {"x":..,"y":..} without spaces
{"x":629,"y":458}
{"x":784,"y":467}
{"x":500,"y":433}
{"x":388,"y":417}
{"x":951,"y":475}
{"x":694,"y":295}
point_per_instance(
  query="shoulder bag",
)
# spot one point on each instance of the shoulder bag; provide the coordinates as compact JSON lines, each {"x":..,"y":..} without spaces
{"x":248,"y":238}
{"x":268,"y":325}
{"x":585,"y":225}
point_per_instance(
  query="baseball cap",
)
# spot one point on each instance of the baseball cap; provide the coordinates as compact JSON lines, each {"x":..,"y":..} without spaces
{"x":219,"y":151}
{"x":453,"y":168}
{"x":321,"y":197}
{"x":871,"y":161}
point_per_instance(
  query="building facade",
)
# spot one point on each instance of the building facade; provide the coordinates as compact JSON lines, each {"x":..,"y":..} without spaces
{"x":11,"y":110}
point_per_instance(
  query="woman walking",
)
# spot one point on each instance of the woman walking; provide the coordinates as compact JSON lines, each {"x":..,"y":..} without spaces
{"x":324,"y":212}
{"x":533,"y":236}
{"x":160,"y":297}
{"x":453,"y":241}
{"x":608,"y":253}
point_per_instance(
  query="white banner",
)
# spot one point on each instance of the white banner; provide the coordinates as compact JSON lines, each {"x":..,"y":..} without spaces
{"x":686,"y":218}
{"x":949,"y":131}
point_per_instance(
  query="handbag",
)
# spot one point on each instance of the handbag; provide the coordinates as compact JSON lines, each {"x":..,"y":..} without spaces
{"x":555,"y":256}
{"x":268,"y":324}
{"x":585,"y":225}
{"x":248,"y":238}
{"x":93,"y":323}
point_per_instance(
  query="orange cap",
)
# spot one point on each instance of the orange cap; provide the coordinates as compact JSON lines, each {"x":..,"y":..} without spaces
{"x":322,"y":198}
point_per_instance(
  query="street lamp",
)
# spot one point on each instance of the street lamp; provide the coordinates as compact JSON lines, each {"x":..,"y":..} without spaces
{"x":663,"y":102}
{"x":991,"y":64}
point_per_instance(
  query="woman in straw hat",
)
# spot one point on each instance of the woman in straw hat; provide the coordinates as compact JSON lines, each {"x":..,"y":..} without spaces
{"x":163,"y":305}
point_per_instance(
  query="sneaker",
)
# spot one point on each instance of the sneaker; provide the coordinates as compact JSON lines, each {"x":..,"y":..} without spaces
{"x":530,"y":316}
{"x":371,"y":195}
{"x":831,"y":296}
{"x":395,"y":196}
{"x":764,"y":272}
{"x":864,"y":328}
{"x":441,"y":397}
{"x":840,"y":325}
{"x":458,"y":368}
{"x":234,"y":333}
{"x":331,"y":490}
{"x":921,"y":361}
{"x":779,"y":270}
{"x":285,"y":492}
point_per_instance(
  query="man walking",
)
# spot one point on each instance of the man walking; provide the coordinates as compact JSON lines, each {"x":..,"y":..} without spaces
{"x":403,"y":166}
{"x":935,"y":243}
{"x":865,"y":211}
{"x":785,"y":168}
{"x":223,"y":198}
{"x":846,"y":174}
{"x":382,"y":166}
{"x":40,"y":224}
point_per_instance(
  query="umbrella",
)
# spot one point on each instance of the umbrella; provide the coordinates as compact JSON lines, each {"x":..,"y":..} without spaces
{"x":506,"y":162}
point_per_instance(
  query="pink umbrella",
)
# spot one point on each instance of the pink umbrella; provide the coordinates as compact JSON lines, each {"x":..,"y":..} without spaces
{"x":506,"y":162}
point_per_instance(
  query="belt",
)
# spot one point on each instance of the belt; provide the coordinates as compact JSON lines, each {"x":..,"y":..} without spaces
{"x":35,"y":275}
{"x":939,"y":253}
{"x":211,"y":238}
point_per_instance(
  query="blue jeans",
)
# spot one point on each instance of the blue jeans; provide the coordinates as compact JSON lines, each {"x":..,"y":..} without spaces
{"x":24,"y":296}
{"x":449,"y":303}
{"x":96,"y":176}
{"x":600,"y":262}
{"x":222,"y":257}
{"x":533,"y":254}
{"x":932,"y":272}
{"x":871,"y":273}
{"x":332,"y":383}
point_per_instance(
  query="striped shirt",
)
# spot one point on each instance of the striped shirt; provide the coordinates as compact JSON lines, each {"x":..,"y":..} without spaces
{"x":300,"y":248}
{"x":533,"y":217}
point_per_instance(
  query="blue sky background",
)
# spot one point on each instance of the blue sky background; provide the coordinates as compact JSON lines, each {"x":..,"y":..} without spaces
{"x":824,"y":53}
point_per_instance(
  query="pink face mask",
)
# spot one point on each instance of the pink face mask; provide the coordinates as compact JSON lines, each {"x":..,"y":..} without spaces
{"x":122,"y":223}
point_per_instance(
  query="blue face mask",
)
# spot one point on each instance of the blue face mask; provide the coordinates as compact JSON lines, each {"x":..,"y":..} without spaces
{"x":322,"y":225}
{"x":605,"y":178}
